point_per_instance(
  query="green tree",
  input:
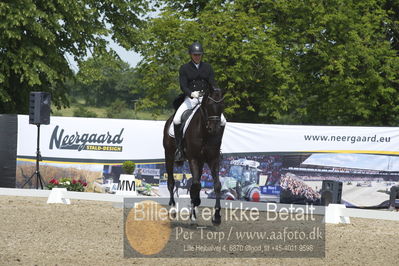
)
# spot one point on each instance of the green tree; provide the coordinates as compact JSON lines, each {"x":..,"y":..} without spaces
{"x":391,"y":7}
{"x":344,"y":66}
{"x":83,"y":112}
{"x":36,"y":35}
{"x":98,"y":76}
{"x":105,"y":78}
{"x":116,"y":109}
{"x":236,"y":44}
{"x":289,"y":61}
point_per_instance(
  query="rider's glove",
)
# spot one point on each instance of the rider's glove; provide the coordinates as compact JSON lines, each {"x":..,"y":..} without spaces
{"x":195,"y":94}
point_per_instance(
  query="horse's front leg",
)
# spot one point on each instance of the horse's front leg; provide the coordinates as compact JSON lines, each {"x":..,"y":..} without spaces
{"x":217,"y":186}
{"x":196,"y":171}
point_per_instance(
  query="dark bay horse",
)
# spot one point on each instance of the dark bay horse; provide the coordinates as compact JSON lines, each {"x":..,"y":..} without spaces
{"x":201,"y":144}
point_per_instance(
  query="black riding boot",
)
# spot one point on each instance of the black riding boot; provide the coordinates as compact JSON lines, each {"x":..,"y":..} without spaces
{"x":221,"y":134}
{"x":179,"y":155}
{"x":222,"y":130}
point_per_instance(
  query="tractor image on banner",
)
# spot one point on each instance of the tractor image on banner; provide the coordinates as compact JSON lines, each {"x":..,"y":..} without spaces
{"x":241,"y":182}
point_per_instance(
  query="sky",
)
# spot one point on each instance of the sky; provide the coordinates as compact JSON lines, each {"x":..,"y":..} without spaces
{"x":129,"y":57}
{"x":359,"y":161}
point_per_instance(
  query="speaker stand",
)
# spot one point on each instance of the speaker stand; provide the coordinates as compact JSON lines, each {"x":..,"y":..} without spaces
{"x":38,"y":158}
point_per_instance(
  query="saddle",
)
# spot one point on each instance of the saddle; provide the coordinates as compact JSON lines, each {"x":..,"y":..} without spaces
{"x":185,"y":120}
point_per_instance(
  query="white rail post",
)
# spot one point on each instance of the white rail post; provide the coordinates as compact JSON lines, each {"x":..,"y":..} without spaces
{"x":58,"y":195}
{"x":334,"y":214}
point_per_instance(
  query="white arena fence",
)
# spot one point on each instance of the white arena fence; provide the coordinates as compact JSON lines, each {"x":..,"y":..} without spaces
{"x":339,"y":214}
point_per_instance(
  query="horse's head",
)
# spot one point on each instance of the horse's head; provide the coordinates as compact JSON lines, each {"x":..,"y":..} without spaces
{"x":213,"y":105}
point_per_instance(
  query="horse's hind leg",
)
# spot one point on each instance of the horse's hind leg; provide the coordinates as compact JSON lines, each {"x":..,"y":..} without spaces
{"x":217,"y":186}
{"x":171,"y":179}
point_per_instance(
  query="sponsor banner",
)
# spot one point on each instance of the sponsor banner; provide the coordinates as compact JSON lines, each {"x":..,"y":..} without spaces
{"x":92,"y":138}
{"x":258,"y":138}
{"x":122,"y":139}
{"x":270,"y":163}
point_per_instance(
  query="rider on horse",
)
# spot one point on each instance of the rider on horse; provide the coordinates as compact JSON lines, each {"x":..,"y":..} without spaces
{"x":195,"y":78}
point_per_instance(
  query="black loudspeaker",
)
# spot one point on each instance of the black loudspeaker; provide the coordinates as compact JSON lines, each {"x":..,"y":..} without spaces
{"x":393,"y":195}
{"x":331,"y":192}
{"x":286,"y":196}
{"x":39,"y":108}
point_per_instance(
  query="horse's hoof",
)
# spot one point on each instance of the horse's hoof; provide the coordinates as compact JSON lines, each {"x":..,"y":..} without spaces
{"x":193,"y":220}
{"x":172,"y":203}
{"x":217,"y":220}
{"x":173,"y":213}
{"x":193,"y":214}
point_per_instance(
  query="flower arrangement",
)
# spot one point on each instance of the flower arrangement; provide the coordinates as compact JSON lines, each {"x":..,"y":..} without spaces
{"x":69,"y":183}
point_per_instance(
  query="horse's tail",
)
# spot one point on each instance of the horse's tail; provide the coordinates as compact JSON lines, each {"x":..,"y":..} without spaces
{"x":168,"y":143}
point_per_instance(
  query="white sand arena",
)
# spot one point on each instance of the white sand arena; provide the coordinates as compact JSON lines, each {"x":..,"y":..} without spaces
{"x":33,"y":232}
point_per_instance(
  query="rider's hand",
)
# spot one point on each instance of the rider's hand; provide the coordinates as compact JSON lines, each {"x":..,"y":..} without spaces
{"x":195,"y":94}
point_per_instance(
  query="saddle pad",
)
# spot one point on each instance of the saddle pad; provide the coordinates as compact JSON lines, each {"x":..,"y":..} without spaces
{"x":171,"y":130}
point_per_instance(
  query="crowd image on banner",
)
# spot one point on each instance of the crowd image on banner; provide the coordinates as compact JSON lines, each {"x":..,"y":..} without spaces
{"x":360,"y":187}
{"x":299,"y":191}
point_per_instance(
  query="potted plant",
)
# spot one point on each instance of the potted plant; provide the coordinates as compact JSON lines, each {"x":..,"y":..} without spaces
{"x":128,"y":167}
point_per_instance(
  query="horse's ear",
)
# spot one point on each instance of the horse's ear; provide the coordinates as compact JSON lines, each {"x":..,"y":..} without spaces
{"x":214,"y":89}
{"x":218,"y":90}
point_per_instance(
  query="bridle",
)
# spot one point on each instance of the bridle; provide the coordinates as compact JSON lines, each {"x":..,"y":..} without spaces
{"x":215,"y":117}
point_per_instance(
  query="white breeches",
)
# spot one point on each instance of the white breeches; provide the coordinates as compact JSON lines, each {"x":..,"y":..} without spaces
{"x":190,"y":104}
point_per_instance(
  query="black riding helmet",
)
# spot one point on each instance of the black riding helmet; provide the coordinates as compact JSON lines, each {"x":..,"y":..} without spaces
{"x":195,"y":48}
